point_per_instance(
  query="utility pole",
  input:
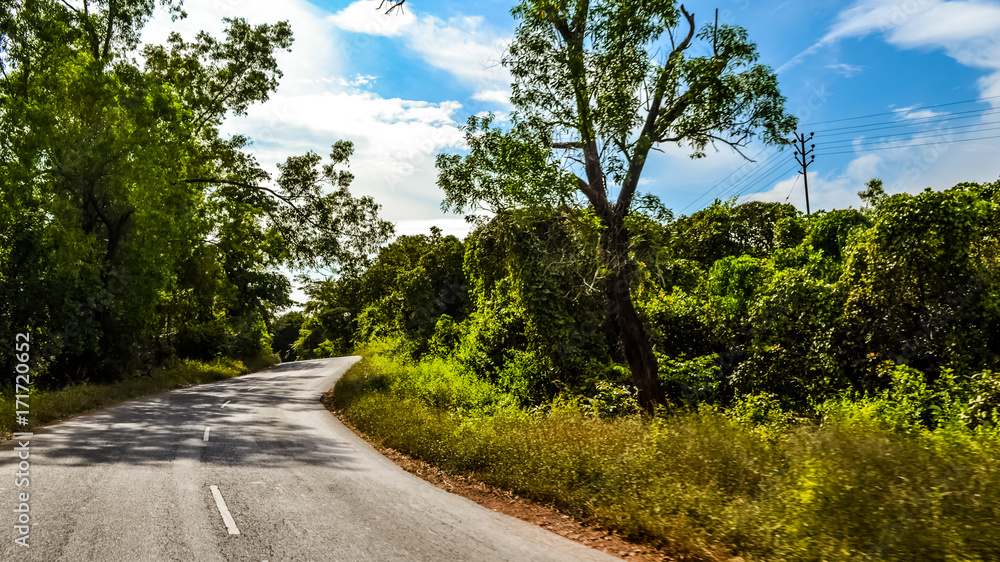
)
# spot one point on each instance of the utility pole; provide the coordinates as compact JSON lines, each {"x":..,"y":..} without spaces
{"x":800,"y":156}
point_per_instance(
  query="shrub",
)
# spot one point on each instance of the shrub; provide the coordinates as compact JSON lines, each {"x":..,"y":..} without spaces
{"x":751,"y":483}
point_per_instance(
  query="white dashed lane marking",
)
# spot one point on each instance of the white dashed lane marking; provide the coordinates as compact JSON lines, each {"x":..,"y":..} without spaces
{"x":227,"y":518}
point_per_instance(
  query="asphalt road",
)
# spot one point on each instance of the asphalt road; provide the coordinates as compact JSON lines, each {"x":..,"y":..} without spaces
{"x":253,"y":469}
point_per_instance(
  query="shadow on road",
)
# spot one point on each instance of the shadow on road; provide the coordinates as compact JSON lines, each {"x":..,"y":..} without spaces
{"x":264,"y":427}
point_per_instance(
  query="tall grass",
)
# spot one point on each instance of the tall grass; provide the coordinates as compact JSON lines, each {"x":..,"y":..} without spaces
{"x":49,"y":406}
{"x":703,"y":485}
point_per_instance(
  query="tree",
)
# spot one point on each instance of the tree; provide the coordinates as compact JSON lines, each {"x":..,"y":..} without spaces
{"x":132,"y":223}
{"x":725,"y":229}
{"x":921,"y":285}
{"x":588,"y":81}
{"x":873,"y":194}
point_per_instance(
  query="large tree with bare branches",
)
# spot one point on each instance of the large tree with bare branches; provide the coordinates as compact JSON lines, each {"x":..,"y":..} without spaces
{"x":601,"y":83}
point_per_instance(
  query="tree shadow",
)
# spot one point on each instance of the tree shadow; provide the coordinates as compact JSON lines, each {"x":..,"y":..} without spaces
{"x":266,"y":427}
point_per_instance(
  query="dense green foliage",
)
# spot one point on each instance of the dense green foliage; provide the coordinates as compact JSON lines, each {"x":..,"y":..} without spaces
{"x":835,"y":393}
{"x":830,"y":306}
{"x":593,"y":94}
{"x":131,"y":230}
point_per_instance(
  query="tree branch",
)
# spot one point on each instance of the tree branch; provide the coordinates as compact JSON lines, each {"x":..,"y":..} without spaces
{"x":84,"y":17}
{"x":286,"y":200}
{"x":690,"y":34}
{"x":299,"y":212}
{"x":395,"y":4}
{"x":734,"y":144}
{"x":649,"y":129}
{"x":111,"y":21}
{"x":568,"y":145}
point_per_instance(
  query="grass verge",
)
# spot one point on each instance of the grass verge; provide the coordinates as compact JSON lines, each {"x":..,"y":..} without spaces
{"x":49,"y":406}
{"x":702,"y":485}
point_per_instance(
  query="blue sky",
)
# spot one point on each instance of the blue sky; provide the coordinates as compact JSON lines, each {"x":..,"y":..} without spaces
{"x":400,"y":85}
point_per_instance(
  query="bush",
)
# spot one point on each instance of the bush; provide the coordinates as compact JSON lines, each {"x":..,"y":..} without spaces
{"x":695,"y":380}
{"x":707,"y":485}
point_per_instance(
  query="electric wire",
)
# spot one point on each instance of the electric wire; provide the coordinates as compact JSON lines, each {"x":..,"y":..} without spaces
{"x":754,"y":175}
{"x":723,"y":180}
{"x":956,"y":141}
{"x":796,"y":182}
{"x":907,"y":123}
{"x":977,"y":100}
{"x":874,"y":141}
{"x":769,"y":177}
{"x":765,"y":169}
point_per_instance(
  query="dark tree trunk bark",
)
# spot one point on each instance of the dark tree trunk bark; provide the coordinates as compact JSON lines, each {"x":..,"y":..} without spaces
{"x":635,"y":342}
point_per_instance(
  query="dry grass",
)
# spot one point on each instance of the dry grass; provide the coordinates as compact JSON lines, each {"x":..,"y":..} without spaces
{"x":701,"y":485}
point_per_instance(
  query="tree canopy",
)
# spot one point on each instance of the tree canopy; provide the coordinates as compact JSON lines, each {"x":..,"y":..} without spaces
{"x":133,"y":229}
{"x":598,"y":85}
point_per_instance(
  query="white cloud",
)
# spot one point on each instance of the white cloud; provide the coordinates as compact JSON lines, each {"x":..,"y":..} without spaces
{"x":824,"y":193}
{"x":913,"y":113}
{"x":463,"y":46}
{"x":395,"y":141}
{"x":847,"y":70}
{"x":990,"y":86}
{"x":459,"y":228}
{"x":359,"y":80}
{"x":864,"y":168}
{"x":967,"y":30}
{"x":317,"y":103}
{"x":365,"y":17}
{"x":501,"y":97}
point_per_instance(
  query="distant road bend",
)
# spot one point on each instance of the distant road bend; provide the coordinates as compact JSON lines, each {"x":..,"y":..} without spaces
{"x":248,"y":469}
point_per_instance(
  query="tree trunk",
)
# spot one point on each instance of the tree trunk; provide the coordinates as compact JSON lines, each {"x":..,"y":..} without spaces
{"x":635,"y":340}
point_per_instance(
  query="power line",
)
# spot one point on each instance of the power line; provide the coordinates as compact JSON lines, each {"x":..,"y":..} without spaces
{"x":756,"y":175}
{"x":723,"y":180}
{"x":765,"y":169}
{"x":766,"y":179}
{"x":751,"y":161}
{"x":917,"y":121}
{"x":873,"y":141}
{"x":787,"y":171}
{"x":903,"y":124}
{"x":900,"y":110}
{"x":761,"y":169}
{"x":956,"y":141}
{"x":794,"y":183}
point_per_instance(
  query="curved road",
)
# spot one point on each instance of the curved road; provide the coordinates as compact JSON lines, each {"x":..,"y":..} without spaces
{"x":151,"y":479}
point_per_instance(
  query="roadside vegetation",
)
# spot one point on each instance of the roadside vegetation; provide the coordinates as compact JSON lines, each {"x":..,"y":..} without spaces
{"x":705,"y":484}
{"x":745,"y":381}
{"x":140,"y":248}
{"x":833,"y":379}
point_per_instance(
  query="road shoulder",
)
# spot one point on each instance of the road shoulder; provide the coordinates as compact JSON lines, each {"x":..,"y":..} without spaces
{"x":507,"y":503}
